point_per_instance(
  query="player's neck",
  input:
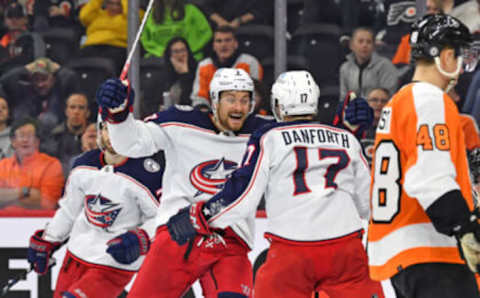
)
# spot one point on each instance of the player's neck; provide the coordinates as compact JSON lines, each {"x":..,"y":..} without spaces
{"x":429,"y":74}
{"x":113,"y":159}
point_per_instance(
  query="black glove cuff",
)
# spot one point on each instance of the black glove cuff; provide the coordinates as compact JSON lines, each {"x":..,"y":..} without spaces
{"x":450,"y":214}
{"x":116,"y":117}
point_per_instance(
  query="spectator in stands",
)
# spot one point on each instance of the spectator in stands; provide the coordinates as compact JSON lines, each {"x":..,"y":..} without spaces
{"x":225,"y":48}
{"x":365,"y":69}
{"x":377,"y":98}
{"x":181,"y":66}
{"x":469,"y":14}
{"x":105,"y":22}
{"x":29,"y":179}
{"x":89,"y":138}
{"x":49,"y":14}
{"x":262,"y":98}
{"x":175,"y":19}
{"x":396,"y":22}
{"x":6,"y":149}
{"x":472,"y":102}
{"x":235,"y":13}
{"x":38,"y":90}
{"x":17,"y":45}
{"x":64,"y":141}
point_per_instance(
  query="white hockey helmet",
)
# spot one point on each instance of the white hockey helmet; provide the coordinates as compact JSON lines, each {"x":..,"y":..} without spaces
{"x":294,"y":93}
{"x":228,"y":79}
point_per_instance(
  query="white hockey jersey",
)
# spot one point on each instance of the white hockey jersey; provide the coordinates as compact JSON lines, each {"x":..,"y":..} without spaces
{"x":315,"y":179}
{"x":198,"y":158}
{"x":103,"y":201}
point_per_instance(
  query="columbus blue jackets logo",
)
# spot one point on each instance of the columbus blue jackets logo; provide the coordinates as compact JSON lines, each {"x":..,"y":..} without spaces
{"x":100,"y":211}
{"x":209,"y":176}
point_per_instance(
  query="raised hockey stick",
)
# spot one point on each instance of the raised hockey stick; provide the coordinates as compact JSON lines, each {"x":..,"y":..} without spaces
{"x":126,"y":66}
{"x":22,"y":276}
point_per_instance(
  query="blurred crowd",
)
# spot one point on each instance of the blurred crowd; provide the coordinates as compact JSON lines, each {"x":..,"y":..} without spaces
{"x":55,"y":53}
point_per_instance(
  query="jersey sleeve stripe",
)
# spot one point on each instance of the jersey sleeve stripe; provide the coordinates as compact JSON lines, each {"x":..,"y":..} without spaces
{"x":249,"y":186}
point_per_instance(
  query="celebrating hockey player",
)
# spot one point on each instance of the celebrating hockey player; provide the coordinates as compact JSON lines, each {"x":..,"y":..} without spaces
{"x":107,"y":214}
{"x":316,"y":183}
{"x":421,"y":195}
{"x":201,"y":150}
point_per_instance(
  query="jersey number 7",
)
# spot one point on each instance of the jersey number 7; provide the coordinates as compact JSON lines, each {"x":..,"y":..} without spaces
{"x":301,"y":154}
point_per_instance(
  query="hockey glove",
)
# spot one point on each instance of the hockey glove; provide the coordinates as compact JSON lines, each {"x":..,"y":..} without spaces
{"x":40,"y":252}
{"x":470,"y":244}
{"x":355,"y":115}
{"x":187,"y":223}
{"x":115,"y":100}
{"x":129,"y":246}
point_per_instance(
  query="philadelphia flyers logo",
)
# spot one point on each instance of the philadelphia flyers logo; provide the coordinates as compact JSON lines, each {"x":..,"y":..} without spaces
{"x":209,"y":176}
{"x":404,"y":11}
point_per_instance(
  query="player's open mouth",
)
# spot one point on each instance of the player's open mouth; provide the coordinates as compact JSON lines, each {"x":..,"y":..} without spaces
{"x":236,"y":116}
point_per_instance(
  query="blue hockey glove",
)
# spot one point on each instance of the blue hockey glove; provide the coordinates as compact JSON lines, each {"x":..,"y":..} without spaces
{"x":358,"y":112}
{"x":187,"y":223}
{"x":129,"y":246}
{"x":354,"y":114}
{"x":40,"y":251}
{"x":115,"y":100}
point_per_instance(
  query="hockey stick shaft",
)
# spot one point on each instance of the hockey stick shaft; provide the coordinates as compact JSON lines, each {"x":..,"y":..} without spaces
{"x":14,"y":280}
{"x":22,"y":276}
{"x":126,"y":66}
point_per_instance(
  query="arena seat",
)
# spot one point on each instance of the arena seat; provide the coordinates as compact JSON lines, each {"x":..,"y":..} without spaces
{"x":256,"y":40}
{"x":61,"y":44}
{"x":319,"y":44}
{"x":92,"y":72}
{"x":153,"y":78}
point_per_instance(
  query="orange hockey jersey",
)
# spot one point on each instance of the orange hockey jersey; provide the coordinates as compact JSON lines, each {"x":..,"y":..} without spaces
{"x":419,"y":156}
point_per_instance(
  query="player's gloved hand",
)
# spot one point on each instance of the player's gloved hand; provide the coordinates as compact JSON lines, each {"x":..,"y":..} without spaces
{"x":470,"y":244}
{"x":115,"y":100}
{"x":40,"y":251}
{"x":354,"y":114}
{"x":358,"y":114}
{"x":187,"y":223}
{"x":128,"y":247}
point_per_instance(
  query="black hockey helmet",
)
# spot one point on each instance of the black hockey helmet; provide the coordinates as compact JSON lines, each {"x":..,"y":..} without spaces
{"x":433,"y":32}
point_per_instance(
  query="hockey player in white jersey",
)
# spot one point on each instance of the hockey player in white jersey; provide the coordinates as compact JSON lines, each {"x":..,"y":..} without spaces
{"x":108,"y":216}
{"x":201,"y":150}
{"x":316,"y":183}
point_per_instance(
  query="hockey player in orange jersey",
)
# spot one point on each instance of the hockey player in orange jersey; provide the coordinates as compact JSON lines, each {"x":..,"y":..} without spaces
{"x":421,"y":195}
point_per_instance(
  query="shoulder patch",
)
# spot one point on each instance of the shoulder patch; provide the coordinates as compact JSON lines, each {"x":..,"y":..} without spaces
{"x":151,"y":165}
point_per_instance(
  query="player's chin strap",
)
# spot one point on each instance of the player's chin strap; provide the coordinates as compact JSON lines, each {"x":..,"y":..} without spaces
{"x":453,"y":76}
